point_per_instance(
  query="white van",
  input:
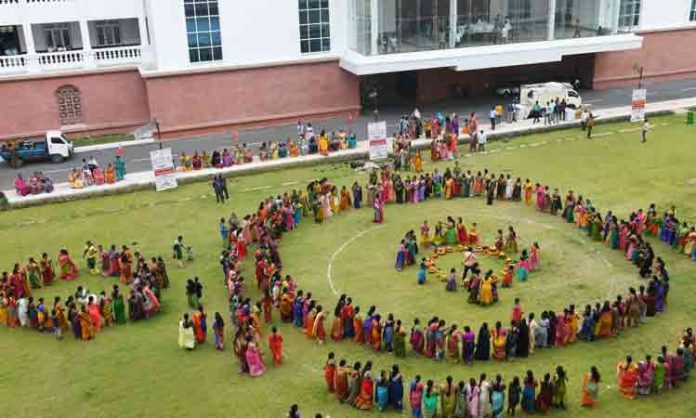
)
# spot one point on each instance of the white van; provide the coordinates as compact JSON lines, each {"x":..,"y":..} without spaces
{"x":546,"y":92}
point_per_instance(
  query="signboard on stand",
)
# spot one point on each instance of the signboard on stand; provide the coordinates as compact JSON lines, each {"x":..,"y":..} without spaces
{"x":163,"y":168}
{"x":638,"y":102}
{"x":378,"y":142}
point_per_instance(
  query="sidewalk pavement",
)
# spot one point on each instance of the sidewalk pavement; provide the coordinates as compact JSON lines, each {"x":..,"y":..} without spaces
{"x":145,"y":180}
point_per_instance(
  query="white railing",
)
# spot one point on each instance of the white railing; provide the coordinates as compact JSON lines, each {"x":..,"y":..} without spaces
{"x":120,"y":55}
{"x":33,"y":1}
{"x":13,"y":64}
{"x":71,"y":60}
{"x":60,"y":60}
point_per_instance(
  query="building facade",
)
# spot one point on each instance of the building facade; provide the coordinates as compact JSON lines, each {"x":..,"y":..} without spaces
{"x":198,"y":66}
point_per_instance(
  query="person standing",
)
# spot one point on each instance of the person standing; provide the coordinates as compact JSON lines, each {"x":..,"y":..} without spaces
{"x":481,"y":138}
{"x":178,"y":249}
{"x":217,"y":188}
{"x":223,"y":187}
{"x":493,"y":115}
{"x":644,"y":131}
{"x":590,"y":124}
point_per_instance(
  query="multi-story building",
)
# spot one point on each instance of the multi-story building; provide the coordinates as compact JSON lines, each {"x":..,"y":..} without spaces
{"x":200,"y":66}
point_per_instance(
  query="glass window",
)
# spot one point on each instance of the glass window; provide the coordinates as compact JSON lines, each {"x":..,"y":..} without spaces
{"x":692,"y":12}
{"x":314,"y":26}
{"x":629,"y":14}
{"x":203,"y":30}
{"x":108,"y":33}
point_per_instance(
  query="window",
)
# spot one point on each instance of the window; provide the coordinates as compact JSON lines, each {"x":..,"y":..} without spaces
{"x":692,"y":12}
{"x":203,"y":30}
{"x":69,"y":105}
{"x":315,"y":35}
{"x":629,"y":14}
{"x":57,"y":36}
{"x":108,"y":33}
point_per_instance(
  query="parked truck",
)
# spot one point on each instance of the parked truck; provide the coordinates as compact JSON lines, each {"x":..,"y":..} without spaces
{"x":530,"y":94}
{"x":54,"y":146}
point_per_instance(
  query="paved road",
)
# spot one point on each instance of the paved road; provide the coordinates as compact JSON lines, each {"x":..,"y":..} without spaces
{"x":138,"y":159}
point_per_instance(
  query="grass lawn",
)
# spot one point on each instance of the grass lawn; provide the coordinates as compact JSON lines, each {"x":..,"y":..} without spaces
{"x":138,"y":369}
{"x":102,"y":139}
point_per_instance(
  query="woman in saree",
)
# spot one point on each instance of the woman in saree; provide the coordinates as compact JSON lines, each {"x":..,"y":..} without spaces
{"x":75,"y":179}
{"x":126,"y":262}
{"x":319,"y":331}
{"x":529,"y":393}
{"x":337,"y":326}
{"x":606,"y":321}
{"x":219,"y":332}
{"x":453,"y":344}
{"x":120,"y":166}
{"x":376,"y":333}
{"x":430,"y":400}
{"x":110,"y":174}
{"x":358,"y":326}
{"x":60,"y":314}
{"x":627,"y":375}
{"x":68,"y":269}
{"x":590,"y":388}
{"x":645,"y":374}
{"x":94,"y":314}
{"x":415,"y":397}
{"x":498,"y":398}
{"x":353,"y":385}
{"x":21,"y":186}
{"x":483,"y":344}
{"x":34,"y":273}
{"x":499,"y":337}
{"x":86,"y":325}
{"x":253,"y":358}
{"x":396,"y":389}
{"x":341,"y":380}
{"x":118,"y":306}
{"x":365,"y":398}
{"x":448,"y":398}
{"x":382,"y":392}
{"x":417,"y":338}
{"x":399,"y":340}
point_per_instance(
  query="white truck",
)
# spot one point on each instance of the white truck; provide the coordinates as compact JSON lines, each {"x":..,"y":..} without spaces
{"x":530,"y":94}
{"x":54,"y":146}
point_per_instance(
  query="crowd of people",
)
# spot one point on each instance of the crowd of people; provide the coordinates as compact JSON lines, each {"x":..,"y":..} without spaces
{"x":519,"y":337}
{"x":664,"y":373}
{"x":84,"y":312}
{"x":92,"y":174}
{"x":38,"y":183}
{"x":363,"y":388}
{"x":673,"y":232}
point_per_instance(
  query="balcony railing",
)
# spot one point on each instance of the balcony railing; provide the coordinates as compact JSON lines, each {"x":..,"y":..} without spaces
{"x":122,"y":55}
{"x":70,"y":60}
{"x":11,"y":64}
{"x":2,"y":2}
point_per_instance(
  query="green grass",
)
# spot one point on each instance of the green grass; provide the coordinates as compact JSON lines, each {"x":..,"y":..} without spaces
{"x":102,"y":139}
{"x":138,"y":370}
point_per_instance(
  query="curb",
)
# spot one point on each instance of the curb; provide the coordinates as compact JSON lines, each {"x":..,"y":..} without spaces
{"x":112,"y":145}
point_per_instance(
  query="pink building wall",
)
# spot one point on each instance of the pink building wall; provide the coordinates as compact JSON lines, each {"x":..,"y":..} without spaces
{"x":112,"y":101}
{"x":664,"y":55}
{"x":187,"y":104}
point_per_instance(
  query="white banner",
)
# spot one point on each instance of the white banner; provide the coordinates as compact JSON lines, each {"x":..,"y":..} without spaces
{"x":379,"y":144}
{"x":163,"y":168}
{"x":638,"y":101}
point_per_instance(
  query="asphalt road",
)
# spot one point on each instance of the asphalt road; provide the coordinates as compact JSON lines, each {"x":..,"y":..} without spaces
{"x":138,"y":157}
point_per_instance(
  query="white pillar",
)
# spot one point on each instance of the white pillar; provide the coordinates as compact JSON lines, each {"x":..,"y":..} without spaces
{"x":552,"y":20}
{"x":90,"y":62}
{"x":453,"y":23}
{"x":32,"y":58}
{"x":374,"y":27}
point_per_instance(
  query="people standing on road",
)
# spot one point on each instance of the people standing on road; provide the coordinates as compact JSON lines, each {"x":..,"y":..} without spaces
{"x":481,"y":138}
{"x":536,"y":112}
{"x":590,"y":124}
{"x":644,"y":130}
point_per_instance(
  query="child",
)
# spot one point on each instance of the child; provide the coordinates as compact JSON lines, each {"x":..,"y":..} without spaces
{"x":421,"y":272}
{"x":508,"y":273}
{"x":224,"y":232}
{"x":189,"y":253}
{"x":57,"y":330}
{"x":517,"y":311}
{"x":275,"y":342}
{"x":330,"y":371}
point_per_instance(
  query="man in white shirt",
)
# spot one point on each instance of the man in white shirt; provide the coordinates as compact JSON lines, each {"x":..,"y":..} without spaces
{"x":481,"y":137}
{"x":644,"y":131}
{"x":493,"y":115}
